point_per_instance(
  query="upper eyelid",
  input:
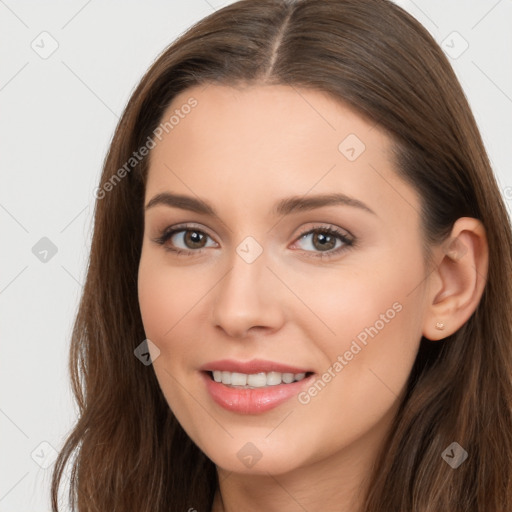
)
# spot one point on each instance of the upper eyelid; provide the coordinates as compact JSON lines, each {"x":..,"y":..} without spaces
{"x":187,"y":227}
{"x":327,"y":226}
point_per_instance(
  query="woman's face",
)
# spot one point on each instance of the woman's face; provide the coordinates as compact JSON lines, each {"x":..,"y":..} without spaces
{"x":300,"y":253}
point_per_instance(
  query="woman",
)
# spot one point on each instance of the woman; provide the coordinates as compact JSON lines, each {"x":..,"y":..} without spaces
{"x":298,"y":225}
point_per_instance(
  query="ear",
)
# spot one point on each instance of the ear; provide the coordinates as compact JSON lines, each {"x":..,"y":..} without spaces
{"x":457,"y":282}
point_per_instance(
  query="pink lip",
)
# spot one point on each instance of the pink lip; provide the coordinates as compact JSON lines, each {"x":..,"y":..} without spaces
{"x":248,"y":367}
{"x":251,"y":401}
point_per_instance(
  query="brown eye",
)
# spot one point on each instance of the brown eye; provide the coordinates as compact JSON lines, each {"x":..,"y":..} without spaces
{"x":184,"y":240}
{"x":323,"y":242}
{"x":194,"y":239}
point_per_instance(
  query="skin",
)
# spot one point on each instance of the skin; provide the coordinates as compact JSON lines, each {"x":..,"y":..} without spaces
{"x":242,"y":150}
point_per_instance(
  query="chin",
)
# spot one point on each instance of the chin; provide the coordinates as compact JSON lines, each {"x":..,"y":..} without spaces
{"x":255,"y":455}
{"x":267,"y":464}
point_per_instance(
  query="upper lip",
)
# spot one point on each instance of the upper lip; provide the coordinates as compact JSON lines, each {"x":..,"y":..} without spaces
{"x":250,"y":367}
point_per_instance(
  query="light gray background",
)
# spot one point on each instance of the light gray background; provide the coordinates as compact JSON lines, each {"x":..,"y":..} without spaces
{"x":58,"y":115}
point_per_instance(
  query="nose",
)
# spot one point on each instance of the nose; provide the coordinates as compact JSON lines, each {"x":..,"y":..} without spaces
{"x":247,"y":300}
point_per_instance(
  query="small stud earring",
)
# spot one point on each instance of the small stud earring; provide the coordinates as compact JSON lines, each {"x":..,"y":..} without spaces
{"x":440,"y":326}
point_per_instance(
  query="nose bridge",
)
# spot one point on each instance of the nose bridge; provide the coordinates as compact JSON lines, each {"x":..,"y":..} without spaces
{"x":246,"y":297}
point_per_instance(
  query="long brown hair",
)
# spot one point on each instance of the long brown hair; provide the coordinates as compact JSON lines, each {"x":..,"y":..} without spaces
{"x":127,"y":450}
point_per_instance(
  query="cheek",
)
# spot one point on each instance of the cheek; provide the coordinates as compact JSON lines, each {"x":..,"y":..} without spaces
{"x":154,"y":302}
{"x":348,"y":303}
{"x":171,"y":300}
{"x":370,"y":326}
{"x":166,"y":295}
{"x":165,"y":298}
{"x":367,"y":366}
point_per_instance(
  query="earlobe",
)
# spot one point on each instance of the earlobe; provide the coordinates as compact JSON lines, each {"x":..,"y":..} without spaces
{"x":458,"y":281}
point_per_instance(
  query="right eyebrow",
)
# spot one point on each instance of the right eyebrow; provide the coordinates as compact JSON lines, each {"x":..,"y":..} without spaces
{"x":180,"y":201}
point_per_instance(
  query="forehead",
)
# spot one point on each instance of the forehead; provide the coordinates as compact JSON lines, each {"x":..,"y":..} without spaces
{"x":265,"y":115}
{"x":257,"y":142}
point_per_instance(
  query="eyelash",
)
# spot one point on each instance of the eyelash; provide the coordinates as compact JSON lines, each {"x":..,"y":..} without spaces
{"x":349,"y":242}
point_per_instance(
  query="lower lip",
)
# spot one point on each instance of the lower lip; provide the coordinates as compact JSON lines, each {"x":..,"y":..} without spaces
{"x":252,"y":401}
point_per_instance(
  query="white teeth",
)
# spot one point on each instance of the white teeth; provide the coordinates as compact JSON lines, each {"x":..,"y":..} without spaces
{"x":238,"y":379}
{"x":273,"y":378}
{"x":256,"y":380}
{"x":288,"y":378}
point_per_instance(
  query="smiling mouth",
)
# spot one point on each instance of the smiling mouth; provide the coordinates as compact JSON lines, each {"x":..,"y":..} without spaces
{"x":255,"y":380}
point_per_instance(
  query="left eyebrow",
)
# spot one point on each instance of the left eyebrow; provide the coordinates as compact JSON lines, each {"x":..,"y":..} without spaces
{"x":281,"y":208}
{"x":301,"y":203}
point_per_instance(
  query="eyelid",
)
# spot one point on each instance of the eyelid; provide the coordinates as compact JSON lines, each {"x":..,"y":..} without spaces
{"x":348,"y":240}
{"x":186,"y":226}
{"x":168,"y":232}
{"x":326,"y":226}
